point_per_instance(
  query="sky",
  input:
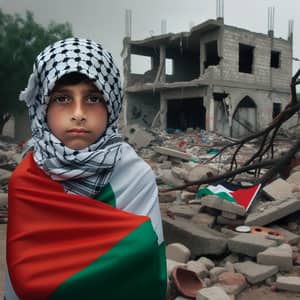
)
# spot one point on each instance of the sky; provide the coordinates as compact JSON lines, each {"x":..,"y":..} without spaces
{"x":104,"y":20}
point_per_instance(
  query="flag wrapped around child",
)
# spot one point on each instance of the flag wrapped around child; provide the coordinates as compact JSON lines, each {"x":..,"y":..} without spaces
{"x":67,"y":246}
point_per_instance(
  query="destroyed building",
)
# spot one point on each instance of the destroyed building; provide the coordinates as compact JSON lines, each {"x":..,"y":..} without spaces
{"x":222,"y":78}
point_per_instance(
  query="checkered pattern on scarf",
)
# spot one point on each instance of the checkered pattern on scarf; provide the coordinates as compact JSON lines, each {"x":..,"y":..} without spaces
{"x":87,"y":170}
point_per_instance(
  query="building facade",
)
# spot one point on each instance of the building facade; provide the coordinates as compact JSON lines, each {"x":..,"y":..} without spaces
{"x":220,"y":78}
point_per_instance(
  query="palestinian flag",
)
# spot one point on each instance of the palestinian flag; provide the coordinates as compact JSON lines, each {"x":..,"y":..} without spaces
{"x":235,"y":193}
{"x":65,"y":246}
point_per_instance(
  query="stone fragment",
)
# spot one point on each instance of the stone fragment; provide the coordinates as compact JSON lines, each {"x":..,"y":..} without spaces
{"x":4,"y":176}
{"x":178,"y":252}
{"x":173,"y":153}
{"x":199,"y":172}
{"x":179,"y":172}
{"x":279,"y":189}
{"x":232,"y":283}
{"x":3,"y":199}
{"x":209,"y":264}
{"x":294,"y":178}
{"x":168,"y":196}
{"x":138,"y":137}
{"x":183,"y":210}
{"x":200,"y":239}
{"x":223,"y":205}
{"x":281,"y":256}
{"x":288,"y":283}
{"x":249,"y":244}
{"x":212,"y":293}
{"x":203,"y":218}
{"x":229,"y":266}
{"x":289,"y":237}
{"x":167,"y":177}
{"x":215,"y":272}
{"x":229,"y":215}
{"x":275,"y":212}
{"x":198,"y":267}
{"x":254,"y":272}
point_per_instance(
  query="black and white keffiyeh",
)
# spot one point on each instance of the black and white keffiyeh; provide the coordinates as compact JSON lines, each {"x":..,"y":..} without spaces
{"x":84,"y":171}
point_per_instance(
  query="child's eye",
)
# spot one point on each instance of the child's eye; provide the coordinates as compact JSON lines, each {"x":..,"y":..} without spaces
{"x":94,"y":99}
{"x":60,"y":99}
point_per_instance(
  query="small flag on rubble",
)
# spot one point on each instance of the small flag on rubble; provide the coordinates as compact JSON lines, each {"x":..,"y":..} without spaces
{"x":235,"y":193}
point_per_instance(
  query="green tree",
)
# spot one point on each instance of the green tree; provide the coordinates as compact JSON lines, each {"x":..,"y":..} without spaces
{"x":21,"y":39}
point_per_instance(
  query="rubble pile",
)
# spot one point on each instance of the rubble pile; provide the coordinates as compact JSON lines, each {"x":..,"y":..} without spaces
{"x":241,"y":247}
{"x":215,"y":248}
{"x":9,"y":158}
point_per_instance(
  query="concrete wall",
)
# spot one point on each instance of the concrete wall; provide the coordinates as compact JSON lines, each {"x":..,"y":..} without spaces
{"x":142,"y":108}
{"x":262,"y":73}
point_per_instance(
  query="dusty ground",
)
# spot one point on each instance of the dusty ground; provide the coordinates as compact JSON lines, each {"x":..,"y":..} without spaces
{"x":263,"y":292}
{"x":253,"y":293}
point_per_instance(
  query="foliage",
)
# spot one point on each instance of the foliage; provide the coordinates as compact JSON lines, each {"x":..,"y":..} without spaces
{"x":21,"y":39}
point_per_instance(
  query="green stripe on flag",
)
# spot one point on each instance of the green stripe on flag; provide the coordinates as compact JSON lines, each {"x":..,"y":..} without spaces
{"x":107,"y":195}
{"x":223,"y":195}
{"x":124,"y":272}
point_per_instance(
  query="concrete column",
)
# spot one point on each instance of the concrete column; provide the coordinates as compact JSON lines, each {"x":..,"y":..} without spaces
{"x":162,"y":62}
{"x":163,"y":112}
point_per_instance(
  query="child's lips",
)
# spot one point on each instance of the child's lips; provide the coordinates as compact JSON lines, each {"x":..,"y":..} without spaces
{"x":77,"y":131}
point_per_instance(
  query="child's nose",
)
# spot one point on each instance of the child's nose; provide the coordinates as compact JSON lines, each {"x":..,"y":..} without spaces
{"x":78,"y":112}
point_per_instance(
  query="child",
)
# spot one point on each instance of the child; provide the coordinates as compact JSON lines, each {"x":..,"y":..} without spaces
{"x":84,"y":219}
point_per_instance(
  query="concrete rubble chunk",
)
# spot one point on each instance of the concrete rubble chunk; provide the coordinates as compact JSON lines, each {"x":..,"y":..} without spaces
{"x":275,"y":212}
{"x":288,"y":283}
{"x":4,"y":175}
{"x":200,"y":239}
{"x":183,"y":210}
{"x":212,"y":293}
{"x":294,"y":178}
{"x":232,"y":283}
{"x":178,"y":252}
{"x":279,"y":189}
{"x":215,"y":272}
{"x":289,"y":237}
{"x":198,"y":267}
{"x":209,"y":264}
{"x":249,"y":244}
{"x":167,"y":177}
{"x":281,"y":256}
{"x":138,"y":137}
{"x":173,"y":153}
{"x":223,"y":205}
{"x":179,"y":172}
{"x":255,"y":272}
{"x":203,"y":218}
{"x":199,"y":172}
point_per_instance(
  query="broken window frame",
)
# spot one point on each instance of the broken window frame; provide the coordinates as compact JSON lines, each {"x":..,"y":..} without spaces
{"x":212,"y":57}
{"x":275,"y":59}
{"x":246,"y":58}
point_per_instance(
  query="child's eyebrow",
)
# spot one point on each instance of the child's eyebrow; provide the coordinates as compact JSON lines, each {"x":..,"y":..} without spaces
{"x":66,"y":90}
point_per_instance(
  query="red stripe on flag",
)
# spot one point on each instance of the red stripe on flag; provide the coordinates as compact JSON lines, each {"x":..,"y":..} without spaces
{"x":245,"y":196}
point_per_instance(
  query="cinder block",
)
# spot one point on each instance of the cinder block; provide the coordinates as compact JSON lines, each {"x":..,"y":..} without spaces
{"x":279,"y":189}
{"x":223,"y":205}
{"x":212,"y":293}
{"x":278,"y":210}
{"x":281,"y":256}
{"x":254,"y":272}
{"x":249,"y":244}
{"x":288,"y":283}
{"x":200,"y":239}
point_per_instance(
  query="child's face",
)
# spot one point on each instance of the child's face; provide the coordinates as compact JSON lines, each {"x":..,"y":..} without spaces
{"x":77,"y":114}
